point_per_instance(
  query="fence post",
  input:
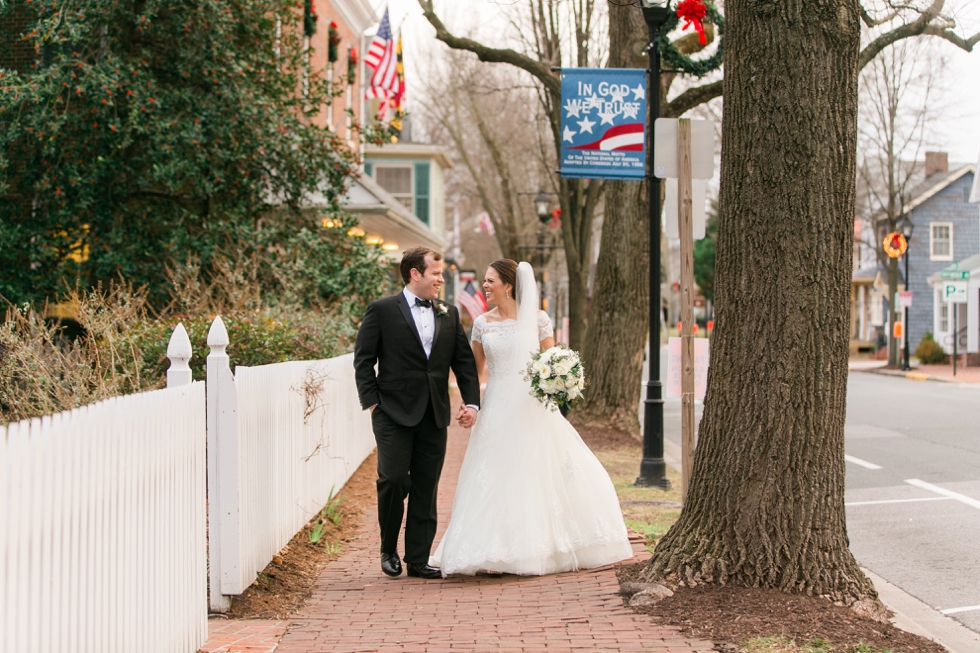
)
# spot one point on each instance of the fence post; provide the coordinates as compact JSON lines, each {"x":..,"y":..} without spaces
{"x":179,"y":351}
{"x":224,"y":540}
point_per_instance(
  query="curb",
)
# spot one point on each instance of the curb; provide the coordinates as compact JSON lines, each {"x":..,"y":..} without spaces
{"x":914,"y":616}
{"x":914,"y":376}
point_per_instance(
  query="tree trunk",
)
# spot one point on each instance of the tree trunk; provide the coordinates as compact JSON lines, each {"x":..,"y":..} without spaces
{"x":613,"y":347}
{"x":894,"y":358}
{"x":766,"y":500}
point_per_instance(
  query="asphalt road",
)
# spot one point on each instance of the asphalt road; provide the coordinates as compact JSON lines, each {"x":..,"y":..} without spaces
{"x":913,"y":486}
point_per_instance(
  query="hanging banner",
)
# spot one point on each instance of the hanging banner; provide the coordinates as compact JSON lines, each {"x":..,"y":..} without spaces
{"x":603,"y":123}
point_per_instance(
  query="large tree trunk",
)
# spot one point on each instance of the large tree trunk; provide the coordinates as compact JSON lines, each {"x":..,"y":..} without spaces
{"x":613,"y":347}
{"x":766,"y":500}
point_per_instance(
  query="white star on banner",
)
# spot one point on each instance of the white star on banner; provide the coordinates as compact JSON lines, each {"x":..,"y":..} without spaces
{"x":607,"y":115}
{"x":617,"y":94}
{"x":631,"y":109}
{"x":585,"y":125}
{"x":592,"y":102}
{"x":639,"y":93}
{"x":573,"y":107}
{"x":567,"y":136}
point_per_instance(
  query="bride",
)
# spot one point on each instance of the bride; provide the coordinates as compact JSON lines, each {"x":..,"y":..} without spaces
{"x":531,"y":498}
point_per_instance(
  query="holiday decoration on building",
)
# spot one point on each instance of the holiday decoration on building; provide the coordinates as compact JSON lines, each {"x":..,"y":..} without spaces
{"x":351,"y":65}
{"x":693,"y":12}
{"x":333,"y":41}
{"x":309,"y":19}
{"x":895,"y":244}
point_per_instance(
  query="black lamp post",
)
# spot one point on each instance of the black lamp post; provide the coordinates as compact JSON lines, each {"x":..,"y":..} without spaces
{"x":542,"y":206}
{"x":905,"y":227}
{"x":653,"y":469}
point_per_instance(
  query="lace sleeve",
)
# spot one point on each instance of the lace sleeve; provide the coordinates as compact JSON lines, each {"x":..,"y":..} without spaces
{"x":544,"y":326}
{"x":476,"y":333}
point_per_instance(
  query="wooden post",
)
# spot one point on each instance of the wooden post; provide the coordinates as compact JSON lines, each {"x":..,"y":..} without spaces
{"x":686,"y":228}
{"x":179,"y":352}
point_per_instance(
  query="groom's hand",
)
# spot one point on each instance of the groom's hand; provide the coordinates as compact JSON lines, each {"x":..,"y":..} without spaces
{"x":466,"y":416}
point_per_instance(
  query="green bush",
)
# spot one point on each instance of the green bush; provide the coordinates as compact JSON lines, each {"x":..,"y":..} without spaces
{"x":930,"y":352}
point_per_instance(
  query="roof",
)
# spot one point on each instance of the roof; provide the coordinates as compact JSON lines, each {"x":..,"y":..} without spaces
{"x":378,"y":211}
{"x":935,"y":183}
{"x":868,"y":274}
{"x":409,"y":151}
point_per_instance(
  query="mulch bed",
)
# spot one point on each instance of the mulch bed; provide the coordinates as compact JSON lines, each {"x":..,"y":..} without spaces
{"x":731,"y":616}
{"x":284,"y":585}
{"x":602,"y":438}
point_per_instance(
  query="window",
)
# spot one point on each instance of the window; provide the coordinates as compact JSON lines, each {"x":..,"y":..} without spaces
{"x":941,"y":241}
{"x":943,"y":317}
{"x":397,"y":180}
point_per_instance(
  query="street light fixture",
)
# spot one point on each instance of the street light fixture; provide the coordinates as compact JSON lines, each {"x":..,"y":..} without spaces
{"x":542,"y":206}
{"x":905,"y":227}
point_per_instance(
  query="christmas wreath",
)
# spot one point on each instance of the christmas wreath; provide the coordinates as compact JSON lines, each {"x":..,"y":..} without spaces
{"x":693,"y":12}
{"x":895,"y":244}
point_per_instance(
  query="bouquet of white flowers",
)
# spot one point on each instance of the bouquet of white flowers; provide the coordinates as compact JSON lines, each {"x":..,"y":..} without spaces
{"x":557,"y":377}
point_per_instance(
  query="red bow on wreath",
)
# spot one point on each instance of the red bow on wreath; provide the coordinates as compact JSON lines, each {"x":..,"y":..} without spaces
{"x":693,"y":12}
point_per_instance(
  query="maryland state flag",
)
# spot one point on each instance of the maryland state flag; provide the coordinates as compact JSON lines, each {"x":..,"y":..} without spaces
{"x":395,"y":108}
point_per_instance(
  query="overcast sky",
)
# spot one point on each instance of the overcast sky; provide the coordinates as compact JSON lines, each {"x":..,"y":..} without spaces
{"x":959,"y":135}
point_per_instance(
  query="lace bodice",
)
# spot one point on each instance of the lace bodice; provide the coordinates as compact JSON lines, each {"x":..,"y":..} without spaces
{"x":497,"y":338}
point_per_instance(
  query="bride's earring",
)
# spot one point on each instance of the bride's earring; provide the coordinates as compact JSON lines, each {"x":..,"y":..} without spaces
{"x":507,"y":293}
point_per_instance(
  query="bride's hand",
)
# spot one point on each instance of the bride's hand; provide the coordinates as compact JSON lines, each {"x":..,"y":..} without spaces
{"x":466,"y":416}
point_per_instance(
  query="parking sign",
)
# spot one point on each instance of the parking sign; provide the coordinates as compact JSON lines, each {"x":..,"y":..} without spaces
{"x":954,"y":292}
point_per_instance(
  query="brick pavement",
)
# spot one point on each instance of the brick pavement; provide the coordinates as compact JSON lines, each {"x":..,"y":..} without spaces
{"x":355,"y":608}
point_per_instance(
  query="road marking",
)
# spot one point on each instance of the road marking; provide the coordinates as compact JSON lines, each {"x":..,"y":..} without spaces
{"x":962,"y":498}
{"x":862,"y":463}
{"x":969,"y":608}
{"x":875,"y":503}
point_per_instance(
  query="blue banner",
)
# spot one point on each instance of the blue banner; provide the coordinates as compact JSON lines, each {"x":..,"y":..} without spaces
{"x":603,"y":121}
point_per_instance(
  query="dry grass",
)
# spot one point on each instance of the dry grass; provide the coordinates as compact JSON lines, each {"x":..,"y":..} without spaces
{"x":783,"y":644}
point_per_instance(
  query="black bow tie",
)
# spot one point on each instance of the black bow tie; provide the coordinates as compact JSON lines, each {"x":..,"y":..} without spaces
{"x":427,"y":303}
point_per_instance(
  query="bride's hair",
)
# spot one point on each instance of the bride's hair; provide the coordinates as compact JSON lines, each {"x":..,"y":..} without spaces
{"x":507,"y":269}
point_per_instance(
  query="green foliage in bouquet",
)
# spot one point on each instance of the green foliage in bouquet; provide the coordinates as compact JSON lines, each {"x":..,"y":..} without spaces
{"x":557,"y":377}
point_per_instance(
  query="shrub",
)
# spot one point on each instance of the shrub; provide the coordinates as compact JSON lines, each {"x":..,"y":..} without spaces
{"x":930,"y":352}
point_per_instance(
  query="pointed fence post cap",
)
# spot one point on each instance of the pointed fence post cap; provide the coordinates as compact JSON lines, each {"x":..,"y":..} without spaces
{"x":180,"y":345}
{"x":218,"y":334}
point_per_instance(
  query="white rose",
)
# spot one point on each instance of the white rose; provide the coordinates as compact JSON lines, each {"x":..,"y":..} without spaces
{"x":563,"y":367}
{"x":547,"y":386}
{"x":574,"y":393}
{"x":543,"y":369}
{"x":581,"y":383}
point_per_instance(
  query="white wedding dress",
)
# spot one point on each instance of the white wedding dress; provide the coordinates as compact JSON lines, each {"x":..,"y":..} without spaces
{"x":531,"y":497}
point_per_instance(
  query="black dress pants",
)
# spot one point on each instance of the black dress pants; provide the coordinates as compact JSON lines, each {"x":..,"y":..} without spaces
{"x":410,"y":462}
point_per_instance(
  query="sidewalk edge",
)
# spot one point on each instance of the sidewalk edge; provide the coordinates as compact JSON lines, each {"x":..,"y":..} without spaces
{"x":914,"y":616}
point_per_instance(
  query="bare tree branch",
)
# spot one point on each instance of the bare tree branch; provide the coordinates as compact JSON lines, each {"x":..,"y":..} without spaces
{"x":541,"y":70}
{"x":691,"y":98}
{"x":923,"y":25}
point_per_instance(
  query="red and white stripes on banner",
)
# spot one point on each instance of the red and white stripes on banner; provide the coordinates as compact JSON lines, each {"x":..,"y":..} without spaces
{"x":382,"y":59}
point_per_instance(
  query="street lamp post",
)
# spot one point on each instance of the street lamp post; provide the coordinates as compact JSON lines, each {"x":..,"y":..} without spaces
{"x":906,"y":228}
{"x":653,"y":469}
{"x":542,"y":206}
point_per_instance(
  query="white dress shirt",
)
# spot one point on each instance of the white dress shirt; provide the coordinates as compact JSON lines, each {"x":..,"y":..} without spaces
{"x":425,"y":321}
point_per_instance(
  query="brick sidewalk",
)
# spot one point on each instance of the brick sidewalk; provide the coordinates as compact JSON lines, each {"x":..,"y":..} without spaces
{"x":354,"y":607}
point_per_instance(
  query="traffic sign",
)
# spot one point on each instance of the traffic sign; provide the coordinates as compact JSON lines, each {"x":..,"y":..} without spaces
{"x":904,"y":299}
{"x":954,"y":274}
{"x":955,"y":291}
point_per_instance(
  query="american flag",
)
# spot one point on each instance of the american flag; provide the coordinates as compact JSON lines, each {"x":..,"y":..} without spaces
{"x":382,"y":58}
{"x":470,"y":296}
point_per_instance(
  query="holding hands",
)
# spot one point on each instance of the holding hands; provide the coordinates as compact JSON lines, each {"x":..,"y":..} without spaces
{"x":466,"y":416}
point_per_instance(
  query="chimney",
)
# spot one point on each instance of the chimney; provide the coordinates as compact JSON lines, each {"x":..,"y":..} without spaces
{"x":936,"y":162}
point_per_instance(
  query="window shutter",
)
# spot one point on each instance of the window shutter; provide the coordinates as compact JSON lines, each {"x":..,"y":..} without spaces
{"x":369,"y":168}
{"x":422,"y":191}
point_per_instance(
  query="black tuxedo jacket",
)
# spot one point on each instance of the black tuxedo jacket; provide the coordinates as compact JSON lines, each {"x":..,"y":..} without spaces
{"x":406,"y":381}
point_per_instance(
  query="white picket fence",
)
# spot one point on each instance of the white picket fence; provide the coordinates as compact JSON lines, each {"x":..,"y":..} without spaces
{"x":102,"y":527}
{"x":286,"y":435}
{"x":113,"y":514}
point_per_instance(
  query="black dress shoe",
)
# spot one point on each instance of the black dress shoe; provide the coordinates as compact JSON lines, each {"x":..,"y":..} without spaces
{"x":391,"y":564}
{"x":422,"y":571}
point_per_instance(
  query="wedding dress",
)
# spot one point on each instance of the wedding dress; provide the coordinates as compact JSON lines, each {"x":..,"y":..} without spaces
{"x":531,"y":497}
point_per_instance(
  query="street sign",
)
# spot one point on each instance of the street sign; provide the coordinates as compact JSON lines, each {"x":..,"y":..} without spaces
{"x":675,"y":367}
{"x":665,"y":159}
{"x":954,"y":274}
{"x":905,"y":299}
{"x":603,"y":123}
{"x":955,"y":292}
{"x":898,"y":331}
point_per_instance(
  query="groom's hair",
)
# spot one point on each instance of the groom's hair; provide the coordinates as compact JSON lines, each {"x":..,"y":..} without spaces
{"x":414,"y":259}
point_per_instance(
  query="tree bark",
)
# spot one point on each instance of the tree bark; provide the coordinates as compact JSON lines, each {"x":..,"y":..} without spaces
{"x":613,"y":346}
{"x":766,"y":501}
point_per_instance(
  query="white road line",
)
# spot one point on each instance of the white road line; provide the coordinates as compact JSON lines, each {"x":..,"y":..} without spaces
{"x":875,"y":503}
{"x":969,"y":608}
{"x":962,"y":498}
{"x":862,"y":463}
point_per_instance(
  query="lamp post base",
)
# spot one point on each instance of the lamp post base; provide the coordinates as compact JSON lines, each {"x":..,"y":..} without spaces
{"x":653,"y":473}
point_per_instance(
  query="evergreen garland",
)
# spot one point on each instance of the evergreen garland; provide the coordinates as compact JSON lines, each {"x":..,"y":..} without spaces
{"x":679,"y":61}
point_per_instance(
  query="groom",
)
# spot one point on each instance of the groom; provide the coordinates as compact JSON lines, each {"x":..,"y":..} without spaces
{"x":414,"y":339}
